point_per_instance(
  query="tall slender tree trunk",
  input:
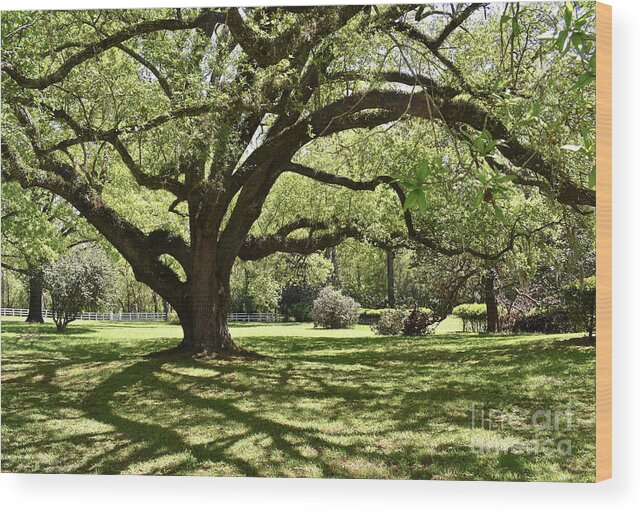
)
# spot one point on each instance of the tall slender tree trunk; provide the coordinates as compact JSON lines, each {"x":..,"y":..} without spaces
{"x":35,"y":298}
{"x":490,"y":300}
{"x":390,"y":277}
{"x":331,"y":254}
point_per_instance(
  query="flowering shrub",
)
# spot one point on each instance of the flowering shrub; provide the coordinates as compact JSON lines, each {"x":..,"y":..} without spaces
{"x":390,"y":322}
{"x":331,"y":309}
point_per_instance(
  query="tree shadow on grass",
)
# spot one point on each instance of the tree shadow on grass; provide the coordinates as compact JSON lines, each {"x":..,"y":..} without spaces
{"x":21,"y":328}
{"x":322,"y":407}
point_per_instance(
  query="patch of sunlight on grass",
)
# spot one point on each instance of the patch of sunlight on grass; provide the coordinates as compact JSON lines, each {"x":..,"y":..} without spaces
{"x":191,"y":372}
{"x":163,"y":465}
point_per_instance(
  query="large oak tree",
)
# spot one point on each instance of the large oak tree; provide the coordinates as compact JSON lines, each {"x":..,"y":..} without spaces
{"x":208,"y":108}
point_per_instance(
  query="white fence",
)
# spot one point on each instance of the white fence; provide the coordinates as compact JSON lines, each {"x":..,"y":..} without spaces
{"x":256,"y":317}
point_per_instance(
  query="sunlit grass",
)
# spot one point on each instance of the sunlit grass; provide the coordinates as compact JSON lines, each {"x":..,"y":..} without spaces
{"x":324,"y":403}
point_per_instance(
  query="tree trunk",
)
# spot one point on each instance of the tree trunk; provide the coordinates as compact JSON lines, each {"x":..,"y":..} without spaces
{"x":390,"y":277}
{"x":490,"y":301}
{"x":203,"y":312}
{"x":35,"y":299}
{"x":205,"y":327}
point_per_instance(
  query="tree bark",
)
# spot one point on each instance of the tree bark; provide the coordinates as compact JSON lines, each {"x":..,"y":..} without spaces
{"x":203,"y":307}
{"x":35,"y":299}
{"x":390,"y":277}
{"x":204,"y":320}
{"x":490,"y":301}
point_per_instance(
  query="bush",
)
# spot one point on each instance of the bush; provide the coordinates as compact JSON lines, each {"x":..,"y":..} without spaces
{"x":473,"y":315}
{"x":78,"y":281}
{"x":371,"y":316}
{"x":331,"y":309}
{"x":173,"y":318}
{"x":547,"y":320}
{"x":390,"y":322}
{"x":393,"y":322}
{"x":579,"y":299}
{"x":418,"y":322}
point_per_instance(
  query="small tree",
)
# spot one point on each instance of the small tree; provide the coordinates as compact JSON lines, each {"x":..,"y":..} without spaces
{"x":579,"y":298}
{"x":332,"y":309}
{"x":78,"y":281}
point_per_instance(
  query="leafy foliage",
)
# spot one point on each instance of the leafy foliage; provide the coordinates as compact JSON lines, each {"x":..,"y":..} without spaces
{"x":414,"y":322}
{"x":546,"y":320}
{"x":297,"y":302}
{"x":579,"y":298}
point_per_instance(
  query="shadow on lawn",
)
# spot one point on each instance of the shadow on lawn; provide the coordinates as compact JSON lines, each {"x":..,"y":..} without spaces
{"x":22,"y":328}
{"x":260,"y":418}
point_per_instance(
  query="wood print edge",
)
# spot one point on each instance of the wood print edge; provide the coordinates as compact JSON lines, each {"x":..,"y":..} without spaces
{"x":604,"y":242}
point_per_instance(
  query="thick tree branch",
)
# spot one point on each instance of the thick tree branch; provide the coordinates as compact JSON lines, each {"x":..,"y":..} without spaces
{"x":388,"y":106}
{"x":95,"y":49}
{"x":141,"y":251}
{"x":165,"y":86}
{"x":258,"y":247}
{"x":413,"y":233}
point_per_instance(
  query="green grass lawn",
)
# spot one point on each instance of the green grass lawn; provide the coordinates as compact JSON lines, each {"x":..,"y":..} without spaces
{"x":323,"y":403}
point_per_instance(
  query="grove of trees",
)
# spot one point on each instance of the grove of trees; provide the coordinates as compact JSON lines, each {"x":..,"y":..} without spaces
{"x":406,"y":154}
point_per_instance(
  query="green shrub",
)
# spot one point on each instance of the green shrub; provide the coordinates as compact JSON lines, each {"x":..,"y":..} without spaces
{"x":579,"y":299}
{"x":473,"y":316}
{"x":552,"y":319}
{"x":390,"y":322}
{"x":173,"y":318}
{"x":331,"y":309}
{"x":371,"y":316}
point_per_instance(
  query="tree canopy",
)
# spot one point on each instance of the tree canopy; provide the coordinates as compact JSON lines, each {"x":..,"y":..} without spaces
{"x":190,"y":138}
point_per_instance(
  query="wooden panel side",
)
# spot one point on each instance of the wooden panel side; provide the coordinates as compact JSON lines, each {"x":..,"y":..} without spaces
{"x":603,"y":242}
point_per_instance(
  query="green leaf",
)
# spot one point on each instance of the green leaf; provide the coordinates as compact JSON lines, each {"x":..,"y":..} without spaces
{"x":422,"y":171}
{"x":583,"y":80}
{"x":477,"y":201}
{"x":591,"y":183}
{"x":411,"y":199}
{"x":515,"y":27}
{"x":421,"y":202}
{"x":498,"y":212}
{"x":567,"y":15}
